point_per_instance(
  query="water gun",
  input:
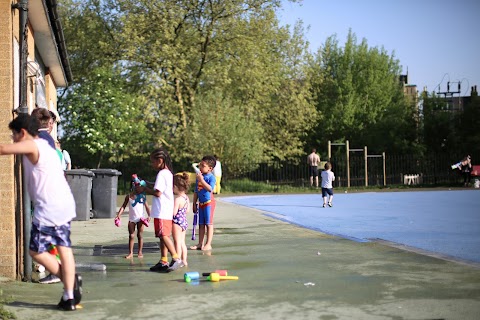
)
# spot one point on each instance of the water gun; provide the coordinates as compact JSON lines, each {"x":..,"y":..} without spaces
{"x":141,"y":197}
{"x":52,"y":249}
{"x":195,"y":223}
{"x":220,"y":272}
{"x":215,"y":277}
{"x":457,"y":165}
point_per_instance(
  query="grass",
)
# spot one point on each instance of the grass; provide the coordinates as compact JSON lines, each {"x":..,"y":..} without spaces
{"x":5,"y":314}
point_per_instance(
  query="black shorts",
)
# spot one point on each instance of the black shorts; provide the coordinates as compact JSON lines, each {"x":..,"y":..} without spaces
{"x":313,"y":171}
{"x":327,"y":191}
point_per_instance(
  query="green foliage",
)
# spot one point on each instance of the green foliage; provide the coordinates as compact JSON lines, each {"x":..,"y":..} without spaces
{"x":358,"y":94}
{"x":446,"y":130}
{"x":102,"y":119}
{"x":222,"y":127}
{"x":246,"y":185}
{"x":177,"y":55}
{"x":5,"y":314}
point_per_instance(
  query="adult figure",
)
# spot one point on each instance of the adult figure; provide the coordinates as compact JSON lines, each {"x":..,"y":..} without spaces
{"x":466,"y":168}
{"x":313,"y":160}
{"x":217,"y":172}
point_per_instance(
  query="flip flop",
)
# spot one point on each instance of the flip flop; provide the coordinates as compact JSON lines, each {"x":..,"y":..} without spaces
{"x":145,"y":222}
{"x":195,"y":248}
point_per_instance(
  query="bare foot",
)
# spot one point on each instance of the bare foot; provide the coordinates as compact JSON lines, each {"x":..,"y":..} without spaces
{"x":196,"y":247}
{"x":130,"y":256}
{"x":185,"y":263}
{"x":140,"y":255}
{"x":207,"y":248}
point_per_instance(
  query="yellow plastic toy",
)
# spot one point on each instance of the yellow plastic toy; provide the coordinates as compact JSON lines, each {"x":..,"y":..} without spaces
{"x":215,"y":277}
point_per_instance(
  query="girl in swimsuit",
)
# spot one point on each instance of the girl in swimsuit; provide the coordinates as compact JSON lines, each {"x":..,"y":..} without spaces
{"x":180,"y":186}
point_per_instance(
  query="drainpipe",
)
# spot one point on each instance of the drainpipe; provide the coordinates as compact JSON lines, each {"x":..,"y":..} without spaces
{"x":22,"y":6}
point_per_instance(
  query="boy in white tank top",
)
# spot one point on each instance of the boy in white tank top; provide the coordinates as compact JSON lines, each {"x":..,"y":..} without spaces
{"x":54,"y":206}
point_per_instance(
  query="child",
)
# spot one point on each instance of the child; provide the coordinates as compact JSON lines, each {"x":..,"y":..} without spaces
{"x":135,"y":219}
{"x":54,"y":206}
{"x":162,"y":209}
{"x":204,"y":194}
{"x":327,"y":187}
{"x":180,"y":186}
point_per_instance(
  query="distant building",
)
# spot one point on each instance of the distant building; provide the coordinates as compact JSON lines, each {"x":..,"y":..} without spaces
{"x":409,"y":90}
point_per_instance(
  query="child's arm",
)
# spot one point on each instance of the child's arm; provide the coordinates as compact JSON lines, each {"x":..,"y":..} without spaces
{"x":122,"y":208}
{"x":176,"y":205}
{"x":26,"y":147}
{"x":195,"y":199}
{"x":204,"y":183}
{"x":148,"y":190}
{"x":147,"y":208}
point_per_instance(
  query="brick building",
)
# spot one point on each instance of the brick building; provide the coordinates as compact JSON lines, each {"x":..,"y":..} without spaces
{"x":45,"y":60}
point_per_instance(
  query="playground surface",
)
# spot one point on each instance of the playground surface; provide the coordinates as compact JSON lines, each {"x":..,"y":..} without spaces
{"x":441,"y":223}
{"x":285,"y":272}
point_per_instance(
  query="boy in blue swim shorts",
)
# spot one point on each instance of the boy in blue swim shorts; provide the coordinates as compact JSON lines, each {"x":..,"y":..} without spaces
{"x":203,"y":193}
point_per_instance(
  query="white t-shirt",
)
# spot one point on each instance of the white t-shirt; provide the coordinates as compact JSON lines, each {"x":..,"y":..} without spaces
{"x":162,"y":207}
{"x":327,"y":178}
{"x":217,"y":170}
{"x":52,"y":198}
{"x":66,"y":159}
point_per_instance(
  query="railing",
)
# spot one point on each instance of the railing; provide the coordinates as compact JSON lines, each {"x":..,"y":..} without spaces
{"x":399,"y":170}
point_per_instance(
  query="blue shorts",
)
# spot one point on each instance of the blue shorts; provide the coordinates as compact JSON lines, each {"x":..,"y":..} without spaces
{"x":42,"y":236}
{"x":205,"y":212}
{"x":326,"y":191}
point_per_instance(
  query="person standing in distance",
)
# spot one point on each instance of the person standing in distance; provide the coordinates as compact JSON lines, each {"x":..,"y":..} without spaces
{"x":313,"y":160}
{"x":217,"y":172}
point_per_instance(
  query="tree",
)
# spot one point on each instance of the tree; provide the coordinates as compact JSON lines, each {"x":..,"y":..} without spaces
{"x":357,"y":93}
{"x":175,"y":55}
{"x":102,"y":119}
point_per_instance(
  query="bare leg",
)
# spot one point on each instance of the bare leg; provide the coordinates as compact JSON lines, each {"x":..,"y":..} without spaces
{"x":208,"y":244}
{"x":168,"y":243}
{"x":131,"y":230}
{"x":201,"y":237}
{"x":65,"y":271}
{"x":311,"y":181}
{"x":184,"y":248}
{"x":177,"y":238}
{"x":163,"y":248}
{"x":140,"y":239}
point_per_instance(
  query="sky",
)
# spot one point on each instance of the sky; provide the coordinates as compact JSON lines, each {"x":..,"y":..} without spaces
{"x":436,"y":41}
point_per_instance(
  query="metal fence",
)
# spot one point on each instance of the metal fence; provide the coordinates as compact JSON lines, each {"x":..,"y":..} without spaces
{"x":395,"y":170}
{"x":434,"y":170}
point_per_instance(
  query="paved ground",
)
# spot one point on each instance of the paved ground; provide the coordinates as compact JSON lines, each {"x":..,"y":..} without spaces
{"x":285,"y":272}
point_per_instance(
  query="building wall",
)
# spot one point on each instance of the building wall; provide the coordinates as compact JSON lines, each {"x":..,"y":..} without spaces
{"x":8,"y":226}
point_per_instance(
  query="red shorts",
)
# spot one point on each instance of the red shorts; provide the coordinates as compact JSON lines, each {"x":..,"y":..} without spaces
{"x":163,"y":228}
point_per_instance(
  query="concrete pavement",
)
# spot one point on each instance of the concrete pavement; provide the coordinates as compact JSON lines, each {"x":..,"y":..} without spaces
{"x":285,"y":272}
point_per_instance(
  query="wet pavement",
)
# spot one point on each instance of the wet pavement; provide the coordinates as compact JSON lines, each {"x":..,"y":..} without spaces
{"x":285,"y":272}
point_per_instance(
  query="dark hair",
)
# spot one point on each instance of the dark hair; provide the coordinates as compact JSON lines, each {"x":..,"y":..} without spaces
{"x":182,"y":181}
{"x":25,"y":121}
{"x":210,"y":160}
{"x":161,"y":153}
{"x":52,"y":115}
{"x":328,"y":165}
{"x":43,"y":115}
